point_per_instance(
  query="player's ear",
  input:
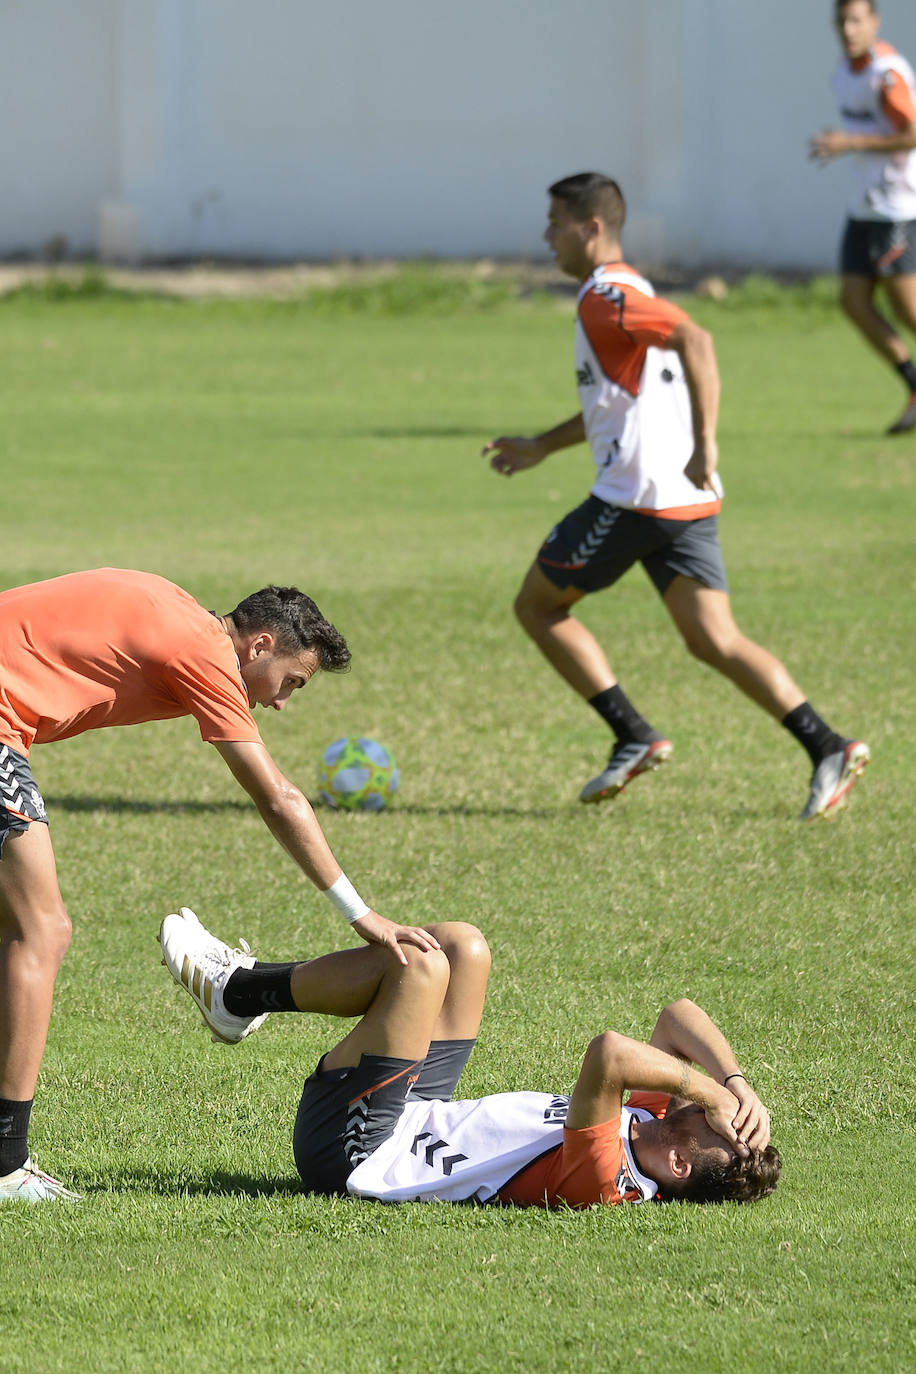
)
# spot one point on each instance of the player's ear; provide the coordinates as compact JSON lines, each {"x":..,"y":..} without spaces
{"x":263,"y":643}
{"x":678,"y":1163}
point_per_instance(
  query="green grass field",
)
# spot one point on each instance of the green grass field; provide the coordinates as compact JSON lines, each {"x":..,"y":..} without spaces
{"x":226,"y":445}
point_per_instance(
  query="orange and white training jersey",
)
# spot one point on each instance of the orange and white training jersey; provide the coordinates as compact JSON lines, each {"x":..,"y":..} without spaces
{"x":511,"y":1147}
{"x":634,"y":397}
{"x":114,"y":647}
{"x":877,"y":95}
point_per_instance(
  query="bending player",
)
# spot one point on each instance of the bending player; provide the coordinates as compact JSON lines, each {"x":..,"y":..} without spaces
{"x":375,"y":1117}
{"x":115,"y":647}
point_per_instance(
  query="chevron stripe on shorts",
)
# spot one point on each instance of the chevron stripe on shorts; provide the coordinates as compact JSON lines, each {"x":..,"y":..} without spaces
{"x":20,"y":799}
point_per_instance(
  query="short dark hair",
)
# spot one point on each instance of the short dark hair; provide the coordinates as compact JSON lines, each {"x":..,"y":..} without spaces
{"x":841,"y":5}
{"x":296,"y":622}
{"x":592,"y":193}
{"x":743,"y":1178}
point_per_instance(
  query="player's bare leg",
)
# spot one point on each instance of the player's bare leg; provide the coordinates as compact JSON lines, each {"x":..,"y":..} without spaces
{"x":438,"y":996}
{"x":857,"y":299}
{"x":34,"y":937}
{"x":543,"y":611}
{"x":704,"y":618}
{"x":705,"y":621}
{"x":901,"y":293}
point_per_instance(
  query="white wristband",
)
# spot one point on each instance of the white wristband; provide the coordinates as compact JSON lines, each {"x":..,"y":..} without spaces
{"x":347,"y":900}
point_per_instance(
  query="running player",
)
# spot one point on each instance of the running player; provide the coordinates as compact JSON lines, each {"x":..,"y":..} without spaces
{"x":876,"y":93}
{"x":376,"y":1119}
{"x":649,"y":396}
{"x":112,"y":647}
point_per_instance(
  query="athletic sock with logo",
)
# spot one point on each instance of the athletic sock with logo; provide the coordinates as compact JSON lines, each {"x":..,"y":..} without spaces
{"x":14,"y":1134}
{"x":812,"y":733}
{"x":266,"y":987}
{"x":617,"y":711}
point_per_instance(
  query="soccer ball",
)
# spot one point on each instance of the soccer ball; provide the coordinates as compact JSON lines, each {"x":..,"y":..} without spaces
{"x":357,"y":774}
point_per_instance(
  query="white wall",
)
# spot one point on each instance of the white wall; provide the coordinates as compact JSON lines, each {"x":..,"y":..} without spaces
{"x":297,"y":129}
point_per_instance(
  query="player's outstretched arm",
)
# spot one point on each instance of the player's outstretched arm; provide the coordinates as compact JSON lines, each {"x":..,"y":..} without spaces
{"x":831,"y":143}
{"x":292,"y":822}
{"x":515,"y":452}
{"x":686,"y":1031}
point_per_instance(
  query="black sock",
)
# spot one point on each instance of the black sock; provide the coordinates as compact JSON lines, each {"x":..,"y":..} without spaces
{"x":812,"y":733}
{"x":266,"y":987}
{"x":621,"y":715}
{"x":907,"y":371}
{"x":14,"y":1134}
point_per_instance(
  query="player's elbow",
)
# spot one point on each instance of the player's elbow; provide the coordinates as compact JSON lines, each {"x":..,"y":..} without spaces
{"x":606,"y":1056}
{"x":280,"y":800}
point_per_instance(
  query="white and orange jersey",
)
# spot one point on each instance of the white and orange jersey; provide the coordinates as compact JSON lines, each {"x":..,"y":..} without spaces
{"x":877,"y":95}
{"x":634,"y":397}
{"x":510,"y":1146}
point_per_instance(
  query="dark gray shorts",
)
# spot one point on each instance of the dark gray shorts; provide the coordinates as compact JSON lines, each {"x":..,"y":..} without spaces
{"x":345,"y":1114}
{"x":20,"y":800}
{"x":878,"y":248}
{"x":595,"y":544}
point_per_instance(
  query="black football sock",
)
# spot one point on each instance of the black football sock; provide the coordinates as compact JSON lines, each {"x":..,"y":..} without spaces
{"x":812,"y":733}
{"x":14,"y":1134}
{"x":907,"y":371}
{"x":266,"y":987}
{"x":617,"y":711}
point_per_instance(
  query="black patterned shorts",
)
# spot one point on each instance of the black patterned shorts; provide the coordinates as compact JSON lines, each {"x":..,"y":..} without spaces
{"x":878,"y":248}
{"x":20,"y":800}
{"x":345,"y":1114}
{"x":595,"y":544}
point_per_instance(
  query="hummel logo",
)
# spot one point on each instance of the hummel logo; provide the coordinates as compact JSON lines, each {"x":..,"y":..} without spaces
{"x":446,"y":1163}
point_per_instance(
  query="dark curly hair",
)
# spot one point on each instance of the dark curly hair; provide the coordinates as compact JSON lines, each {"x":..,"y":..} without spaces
{"x":296,"y":622}
{"x":742,"y":1178}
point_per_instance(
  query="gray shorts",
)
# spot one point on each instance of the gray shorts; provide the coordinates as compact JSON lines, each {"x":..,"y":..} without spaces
{"x":595,"y":544}
{"x":21,"y":803}
{"x":345,"y":1114}
{"x":878,"y":248}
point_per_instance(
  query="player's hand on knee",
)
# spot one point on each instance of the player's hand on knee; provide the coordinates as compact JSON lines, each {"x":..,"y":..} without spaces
{"x":378,"y":930}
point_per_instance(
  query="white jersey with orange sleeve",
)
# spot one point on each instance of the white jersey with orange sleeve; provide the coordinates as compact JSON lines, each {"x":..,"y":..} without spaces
{"x":877,"y":95}
{"x":467,"y":1150}
{"x":634,"y":398}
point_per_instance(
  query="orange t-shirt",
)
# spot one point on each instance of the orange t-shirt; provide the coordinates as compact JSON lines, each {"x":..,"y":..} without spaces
{"x":114,"y":647}
{"x":591,"y":1165}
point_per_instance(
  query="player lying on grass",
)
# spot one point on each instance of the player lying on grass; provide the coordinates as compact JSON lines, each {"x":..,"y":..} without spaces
{"x":113,"y":647}
{"x":376,"y":1118}
{"x":648,"y":386}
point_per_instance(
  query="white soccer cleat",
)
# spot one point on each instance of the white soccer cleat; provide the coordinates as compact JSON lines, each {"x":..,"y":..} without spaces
{"x":833,"y":780}
{"x":626,"y":763}
{"x":31,"y":1184}
{"x":203,"y":966}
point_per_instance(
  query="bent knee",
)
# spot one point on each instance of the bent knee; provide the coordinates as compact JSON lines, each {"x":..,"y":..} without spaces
{"x":461,"y":940}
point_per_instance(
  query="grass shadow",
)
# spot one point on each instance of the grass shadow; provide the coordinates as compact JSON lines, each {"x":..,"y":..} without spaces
{"x":134,"y":806}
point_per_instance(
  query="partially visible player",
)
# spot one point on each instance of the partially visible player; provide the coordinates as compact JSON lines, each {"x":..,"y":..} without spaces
{"x":648,"y":386}
{"x":376,"y":1119}
{"x":876,"y":93}
{"x":116,"y":647}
